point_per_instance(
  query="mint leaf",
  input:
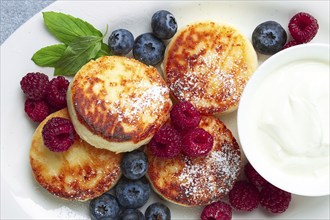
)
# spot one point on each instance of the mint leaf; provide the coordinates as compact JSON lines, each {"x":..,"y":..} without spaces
{"x":105,"y":51}
{"x":78,"y":52}
{"x":67,"y":28}
{"x":48,"y":56}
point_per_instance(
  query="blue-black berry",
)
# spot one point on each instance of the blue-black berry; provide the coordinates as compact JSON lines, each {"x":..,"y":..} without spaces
{"x":134,"y":164}
{"x":121,"y":42}
{"x":157,"y":211}
{"x":269,"y":37}
{"x":163,"y":24}
{"x":132,"y":194}
{"x":149,"y":49}
{"x":131,"y":214}
{"x":104,"y":207}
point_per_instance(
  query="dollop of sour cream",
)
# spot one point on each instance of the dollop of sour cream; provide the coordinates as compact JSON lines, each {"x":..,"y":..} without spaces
{"x":292,"y":118}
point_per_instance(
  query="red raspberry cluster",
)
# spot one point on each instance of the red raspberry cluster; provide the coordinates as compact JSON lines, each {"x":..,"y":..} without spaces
{"x":246,"y":195}
{"x":183,"y":135}
{"x":303,"y":28}
{"x":43,"y":96}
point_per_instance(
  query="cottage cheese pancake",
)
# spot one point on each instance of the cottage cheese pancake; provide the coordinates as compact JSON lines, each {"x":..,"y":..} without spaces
{"x":118,"y":103}
{"x":198,"y":181}
{"x":82,"y":172}
{"x":209,"y":64}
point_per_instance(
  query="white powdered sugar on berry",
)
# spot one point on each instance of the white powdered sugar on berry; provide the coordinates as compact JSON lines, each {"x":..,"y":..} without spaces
{"x":214,"y":176}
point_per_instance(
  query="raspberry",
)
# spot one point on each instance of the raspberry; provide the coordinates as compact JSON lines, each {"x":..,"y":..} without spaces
{"x":290,"y":44}
{"x":303,"y":27}
{"x":197,"y":142}
{"x":56,"y":93}
{"x":244,"y":196}
{"x":58,"y":134}
{"x":274,"y":199}
{"x":217,"y":211}
{"x":253,"y":176}
{"x":184,"y":116}
{"x":166,"y":142}
{"x":34,"y":85}
{"x":36,"y":110}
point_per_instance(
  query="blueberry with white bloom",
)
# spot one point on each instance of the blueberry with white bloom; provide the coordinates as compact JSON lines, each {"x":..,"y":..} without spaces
{"x":132,"y":194}
{"x":163,"y":24}
{"x":134,"y":164}
{"x":104,"y":207}
{"x":149,"y":49}
{"x":121,"y":42}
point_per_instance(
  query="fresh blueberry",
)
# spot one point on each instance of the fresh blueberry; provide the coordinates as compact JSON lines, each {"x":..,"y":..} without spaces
{"x":163,"y":24}
{"x":121,"y":42}
{"x":269,"y":37}
{"x":132,"y":194}
{"x":104,"y":207}
{"x":157,"y":211}
{"x":131,"y":214}
{"x":148,"y":49}
{"x":134,"y":165}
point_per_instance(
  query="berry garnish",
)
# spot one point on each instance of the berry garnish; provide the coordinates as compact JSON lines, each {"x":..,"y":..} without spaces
{"x":34,"y":85}
{"x":166,"y":142}
{"x":134,"y":164}
{"x":149,"y":49}
{"x":274,"y":199}
{"x":244,"y":196}
{"x":131,"y":214}
{"x":58,"y":134}
{"x":104,"y":207}
{"x":269,"y":37}
{"x":157,"y":211}
{"x":303,"y":27}
{"x":132,"y":194}
{"x":163,"y":24}
{"x":290,"y":44}
{"x":197,"y":142}
{"x":36,"y":110}
{"x":56,"y":93}
{"x":217,"y":211}
{"x":184,"y":116}
{"x":121,"y":42}
{"x":253,"y":176}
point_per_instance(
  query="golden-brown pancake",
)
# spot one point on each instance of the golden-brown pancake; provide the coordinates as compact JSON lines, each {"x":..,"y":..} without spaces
{"x":118,"y":103}
{"x":208,"y":65}
{"x":82,"y":172}
{"x":198,"y":181}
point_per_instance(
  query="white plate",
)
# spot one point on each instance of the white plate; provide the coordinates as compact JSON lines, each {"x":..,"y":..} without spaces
{"x":21,"y":196}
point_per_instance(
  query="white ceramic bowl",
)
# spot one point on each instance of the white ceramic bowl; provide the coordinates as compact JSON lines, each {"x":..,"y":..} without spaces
{"x":292,"y":169}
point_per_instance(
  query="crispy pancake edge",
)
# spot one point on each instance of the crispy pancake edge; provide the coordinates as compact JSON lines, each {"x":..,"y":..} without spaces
{"x":77,"y":190}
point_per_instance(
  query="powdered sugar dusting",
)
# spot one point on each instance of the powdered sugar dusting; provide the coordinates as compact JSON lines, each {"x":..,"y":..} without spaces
{"x":146,"y":103}
{"x":208,"y":65}
{"x":212,"y":178}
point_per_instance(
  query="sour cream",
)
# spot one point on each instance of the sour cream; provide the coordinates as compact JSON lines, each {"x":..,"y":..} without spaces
{"x":291,"y":118}
{"x":283,"y":120}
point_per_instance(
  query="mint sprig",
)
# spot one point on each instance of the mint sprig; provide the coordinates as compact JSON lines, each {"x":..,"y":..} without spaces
{"x":48,"y":56}
{"x":67,"y":28}
{"x":105,"y":51}
{"x":81,"y":43}
{"x":78,"y":52}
